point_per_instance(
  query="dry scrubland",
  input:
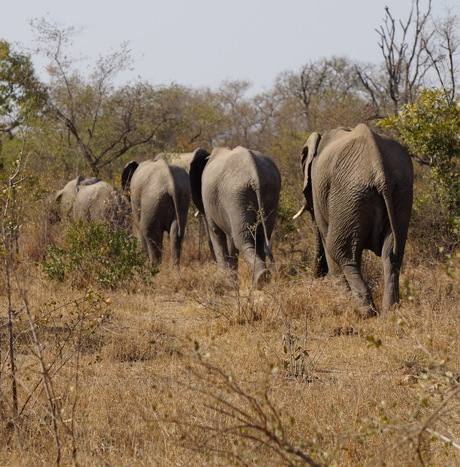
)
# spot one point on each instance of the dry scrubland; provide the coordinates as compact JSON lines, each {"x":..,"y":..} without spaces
{"x":192,"y":371}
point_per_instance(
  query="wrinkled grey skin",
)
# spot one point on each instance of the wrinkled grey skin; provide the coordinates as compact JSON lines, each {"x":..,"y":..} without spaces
{"x":358,"y":187}
{"x":92,"y":199}
{"x":237,"y":190}
{"x":160,"y":198}
{"x":181,"y":159}
{"x":184,"y":160}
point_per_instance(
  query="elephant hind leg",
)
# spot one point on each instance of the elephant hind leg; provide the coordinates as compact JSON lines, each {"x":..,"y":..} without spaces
{"x":260,"y":278}
{"x":320,"y":268}
{"x":140,"y":238}
{"x":232,"y":258}
{"x":358,"y":286}
{"x":343,"y":253}
{"x":175,"y":243}
{"x":333,"y":268}
{"x":220,"y":245}
{"x":154,"y":242}
{"x":204,"y":232}
{"x":155,"y":249}
{"x":255,"y":255}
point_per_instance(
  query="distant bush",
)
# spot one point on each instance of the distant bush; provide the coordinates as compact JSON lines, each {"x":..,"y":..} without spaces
{"x":94,"y":254}
{"x":287,"y":207}
{"x":430,"y":128}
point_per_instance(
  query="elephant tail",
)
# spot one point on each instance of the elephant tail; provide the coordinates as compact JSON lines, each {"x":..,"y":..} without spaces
{"x":176,"y":194}
{"x":387,"y":196}
{"x":261,"y":216}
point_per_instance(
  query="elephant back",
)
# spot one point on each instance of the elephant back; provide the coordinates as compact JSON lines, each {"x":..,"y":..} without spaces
{"x":65,"y":198}
{"x":241,"y":177}
{"x":179,"y":159}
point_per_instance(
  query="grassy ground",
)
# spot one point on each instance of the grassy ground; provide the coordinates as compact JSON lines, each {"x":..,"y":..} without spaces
{"x":193,"y":371}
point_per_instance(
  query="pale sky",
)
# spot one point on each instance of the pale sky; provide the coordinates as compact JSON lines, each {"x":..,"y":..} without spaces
{"x":204,"y":42}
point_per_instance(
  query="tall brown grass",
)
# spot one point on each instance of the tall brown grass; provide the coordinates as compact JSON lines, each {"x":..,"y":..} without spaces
{"x":195,"y":370}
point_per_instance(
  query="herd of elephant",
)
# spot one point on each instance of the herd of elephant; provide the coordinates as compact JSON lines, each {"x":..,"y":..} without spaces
{"x":358,"y":188}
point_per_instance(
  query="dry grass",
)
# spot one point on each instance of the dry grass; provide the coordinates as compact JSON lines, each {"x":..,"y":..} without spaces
{"x":196,"y":371}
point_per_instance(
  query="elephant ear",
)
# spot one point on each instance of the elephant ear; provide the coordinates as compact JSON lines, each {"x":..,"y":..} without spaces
{"x":199,"y":161}
{"x":309,"y":151}
{"x":58,"y":196}
{"x":79,"y":182}
{"x":126,"y":176}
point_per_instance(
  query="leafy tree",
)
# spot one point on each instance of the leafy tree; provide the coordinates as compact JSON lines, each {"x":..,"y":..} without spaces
{"x":22,"y":95}
{"x":201,"y":122}
{"x":194,"y":119}
{"x":430,"y":128}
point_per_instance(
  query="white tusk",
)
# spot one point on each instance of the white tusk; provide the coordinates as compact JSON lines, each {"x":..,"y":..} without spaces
{"x":196,"y":214}
{"x":302,"y":210}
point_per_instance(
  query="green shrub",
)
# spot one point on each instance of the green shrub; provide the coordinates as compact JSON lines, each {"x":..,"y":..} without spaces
{"x":94,"y":254}
{"x":287,"y":207}
{"x":429,"y":127}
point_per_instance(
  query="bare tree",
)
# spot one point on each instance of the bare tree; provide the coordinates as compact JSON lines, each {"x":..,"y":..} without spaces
{"x":406,"y":60}
{"x":235,"y":106}
{"x":412,"y":50}
{"x":447,"y":42}
{"x":325,"y":89}
{"x":103,"y":122}
{"x":304,"y":85}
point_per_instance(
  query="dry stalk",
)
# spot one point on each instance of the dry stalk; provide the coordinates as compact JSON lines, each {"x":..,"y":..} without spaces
{"x":9,"y":235}
{"x":434,"y":416}
{"x":10,"y":238}
{"x":47,"y":383}
{"x":243,"y":416}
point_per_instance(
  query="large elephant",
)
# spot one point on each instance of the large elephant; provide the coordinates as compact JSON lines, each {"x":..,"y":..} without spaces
{"x":238,"y":192}
{"x":160,"y":198}
{"x":90,"y":198}
{"x":358,"y":188}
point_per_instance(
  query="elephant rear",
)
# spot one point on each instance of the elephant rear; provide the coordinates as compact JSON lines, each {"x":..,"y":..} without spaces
{"x":238,"y":191}
{"x":248,"y":184}
{"x":358,"y":188}
{"x":160,"y":198}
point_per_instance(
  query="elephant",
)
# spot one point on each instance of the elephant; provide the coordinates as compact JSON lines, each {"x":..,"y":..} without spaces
{"x":184,"y":159}
{"x":90,"y":198}
{"x":238,"y":193}
{"x":358,"y":188}
{"x":160,"y":198}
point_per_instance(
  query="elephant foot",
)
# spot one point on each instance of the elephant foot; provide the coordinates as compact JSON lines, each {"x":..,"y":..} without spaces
{"x":371,"y":311}
{"x":174,"y":263}
{"x":390,"y":301}
{"x":364,"y":308}
{"x":260,"y":279}
{"x":228,"y":279}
